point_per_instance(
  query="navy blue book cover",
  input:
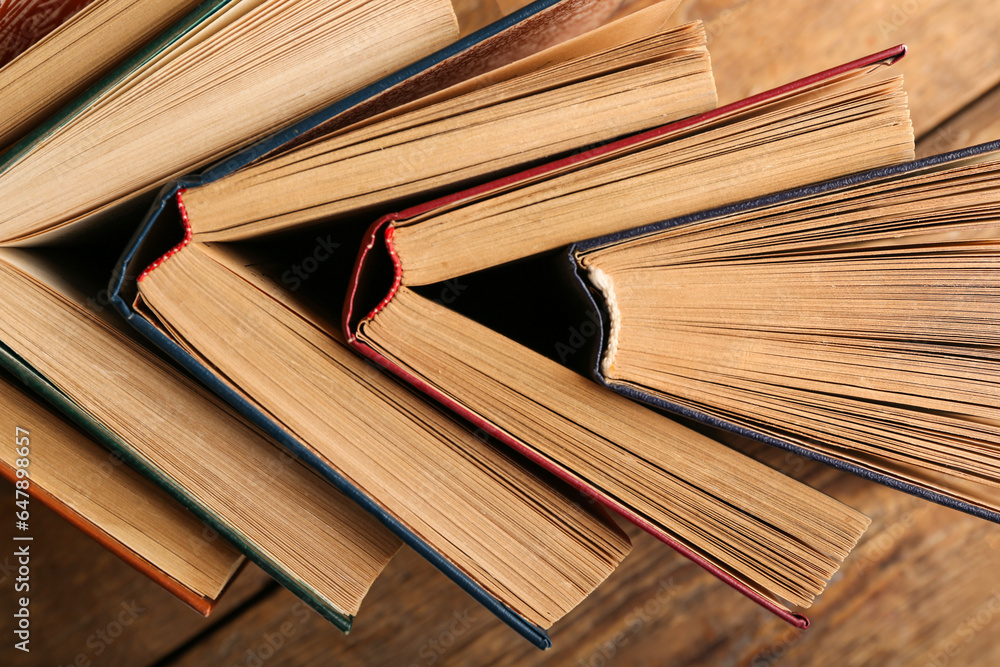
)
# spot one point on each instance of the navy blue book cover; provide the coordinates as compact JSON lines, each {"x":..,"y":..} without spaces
{"x":529,"y":27}
{"x":597,"y":303}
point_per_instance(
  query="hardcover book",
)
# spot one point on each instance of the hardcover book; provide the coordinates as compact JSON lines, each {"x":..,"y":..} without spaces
{"x":753,"y":145}
{"x":120,"y":509}
{"x":523,"y":560}
{"x":281,"y":515}
{"x":489,"y":521}
{"x":852,"y":321}
{"x":778,"y":543}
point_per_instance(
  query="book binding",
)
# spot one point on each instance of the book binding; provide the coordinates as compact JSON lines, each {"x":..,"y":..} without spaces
{"x":381,"y":231}
{"x":540,"y":20}
{"x":599,"y":306}
{"x":41,"y":386}
{"x":566,"y":475}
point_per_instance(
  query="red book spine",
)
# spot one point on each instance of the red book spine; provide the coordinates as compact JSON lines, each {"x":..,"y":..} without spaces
{"x":382,"y":231}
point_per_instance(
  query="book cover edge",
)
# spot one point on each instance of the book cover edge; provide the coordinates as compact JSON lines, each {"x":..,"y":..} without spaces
{"x":64,"y":404}
{"x":120,"y":275}
{"x":201,"y":604}
{"x":816,"y":189}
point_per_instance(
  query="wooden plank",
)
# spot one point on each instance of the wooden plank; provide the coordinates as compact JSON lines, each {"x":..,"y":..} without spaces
{"x":760,"y":44}
{"x":954,"y":54}
{"x":88,"y":607}
{"x":976,"y":124}
{"x":920,"y":588}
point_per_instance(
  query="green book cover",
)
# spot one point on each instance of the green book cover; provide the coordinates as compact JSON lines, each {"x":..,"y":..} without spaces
{"x":41,"y":386}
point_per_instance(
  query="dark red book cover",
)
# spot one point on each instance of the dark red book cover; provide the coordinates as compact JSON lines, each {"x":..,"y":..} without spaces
{"x":381,"y":234}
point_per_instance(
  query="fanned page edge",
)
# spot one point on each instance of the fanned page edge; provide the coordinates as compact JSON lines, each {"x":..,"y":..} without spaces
{"x":426,"y":76}
{"x":120,"y":276}
{"x":40,"y":386}
{"x":167,"y":195}
{"x":201,"y":604}
{"x":22,"y":27}
{"x":172,"y":194}
{"x":463,"y":197}
{"x":116,"y":76}
{"x":590,"y":289}
{"x":385,"y":227}
{"x":382,"y":230}
{"x":386,"y":224}
{"x":886,"y":57}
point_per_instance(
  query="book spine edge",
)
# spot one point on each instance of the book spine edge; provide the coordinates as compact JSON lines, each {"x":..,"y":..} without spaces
{"x":303,"y":453}
{"x":371,"y":240}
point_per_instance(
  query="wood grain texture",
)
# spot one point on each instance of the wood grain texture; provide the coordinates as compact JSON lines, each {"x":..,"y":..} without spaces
{"x":86,"y":602}
{"x":761,"y":44}
{"x":474,"y":14}
{"x":24,"y":22}
{"x":920,"y":588}
{"x":757,"y":44}
{"x":976,"y":124}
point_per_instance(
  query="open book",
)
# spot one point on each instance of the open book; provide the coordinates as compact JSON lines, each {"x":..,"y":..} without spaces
{"x":851,"y":321}
{"x":772,"y":538}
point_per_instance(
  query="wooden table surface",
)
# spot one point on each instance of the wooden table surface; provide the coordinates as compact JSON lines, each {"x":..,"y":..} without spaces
{"x":922,"y":588}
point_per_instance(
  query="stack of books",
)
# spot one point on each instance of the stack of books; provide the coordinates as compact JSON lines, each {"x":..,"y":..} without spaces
{"x":306,"y":268}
